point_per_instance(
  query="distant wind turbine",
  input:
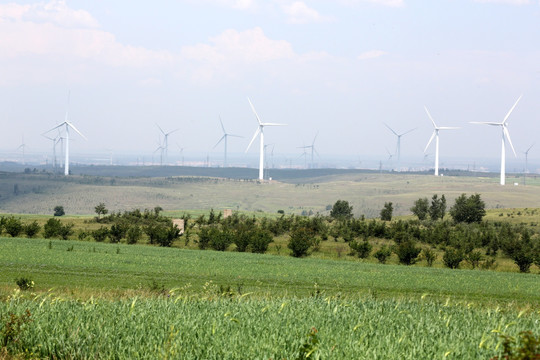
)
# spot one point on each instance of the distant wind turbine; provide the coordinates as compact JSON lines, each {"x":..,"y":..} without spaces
{"x":22,"y":147}
{"x":436,"y":136}
{"x":260,"y":131}
{"x":398,"y":145}
{"x":526,"y":152}
{"x":55,"y":142}
{"x":505,"y":136}
{"x":67,"y":126}
{"x":313,"y":150}
{"x":224,"y":139}
{"x":165,"y":146}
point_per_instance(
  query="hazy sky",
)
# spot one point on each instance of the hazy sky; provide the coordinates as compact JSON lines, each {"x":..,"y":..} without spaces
{"x":337,"y":67}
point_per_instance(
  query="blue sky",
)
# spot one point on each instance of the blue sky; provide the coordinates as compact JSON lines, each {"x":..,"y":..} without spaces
{"x":340,"y":68}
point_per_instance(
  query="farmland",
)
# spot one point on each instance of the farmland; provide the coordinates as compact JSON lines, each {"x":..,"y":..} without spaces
{"x":88,"y":299}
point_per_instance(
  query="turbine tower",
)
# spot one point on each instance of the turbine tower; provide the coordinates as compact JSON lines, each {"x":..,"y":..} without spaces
{"x":67,"y":125}
{"x":505,"y":135}
{"x":398,"y":145}
{"x":224,"y":139}
{"x":313,"y":150}
{"x":436,"y":136}
{"x":260,"y":130}
{"x":165,"y":146}
{"x":55,"y":141}
{"x":526,"y":152}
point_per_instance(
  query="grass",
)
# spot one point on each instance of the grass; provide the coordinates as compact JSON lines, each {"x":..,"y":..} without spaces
{"x":110,"y":267}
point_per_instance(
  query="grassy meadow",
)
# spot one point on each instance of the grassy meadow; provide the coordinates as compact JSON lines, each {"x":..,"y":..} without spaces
{"x":102,"y":300}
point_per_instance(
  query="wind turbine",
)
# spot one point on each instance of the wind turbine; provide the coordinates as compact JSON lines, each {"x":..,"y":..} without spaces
{"x":224,"y":139}
{"x":436,"y":136}
{"x":505,"y":135}
{"x":398,"y":145}
{"x":22,"y":147}
{"x":165,"y":147}
{"x":313,"y":150}
{"x":260,"y":130}
{"x":526,"y":152}
{"x":55,"y":141}
{"x":67,"y":125}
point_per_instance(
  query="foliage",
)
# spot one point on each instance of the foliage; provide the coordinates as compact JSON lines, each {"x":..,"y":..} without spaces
{"x":31,"y":229}
{"x":429,"y":255}
{"x":24,"y":283}
{"x":382,"y":254}
{"x":524,"y":260}
{"x":134,"y":234}
{"x":437,"y":210}
{"x":407,"y":252}
{"x":361,"y":249}
{"x":310,"y":346}
{"x":13,"y":328}
{"x":452,"y":258}
{"x":300,"y":241}
{"x":386,"y":212}
{"x":468,"y":209}
{"x":100,"y":234}
{"x":118,"y":231}
{"x":474,"y":258}
{"x":341,"y":210}
{"x":65,"y":231}
{"x":221,"y":239}
{"x":420,"y":208}
{"x":51,"y":228}
{"x":59,"y":211}
{"x":526,"y":348}
{"x":13,"y":226}
{"x":260,"y":241}
{"x":100,"y":209}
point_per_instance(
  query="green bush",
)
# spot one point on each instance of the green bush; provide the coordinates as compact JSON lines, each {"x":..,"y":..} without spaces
{"x":524,"y":259}
{"x":407,"y":252}
{"x":430,"y":256}
{"x":221,"y":240}
{"x":51,"y":228}
{"x":300,"y":241}
{"x":31,"y":229}
{"x":382,"y":254}
{"x":134,"y":234}
{"x":66,"y":231}
{"x":361,"y":249}
{"x":452,"y":258}
{"x":260,"y":241}
{"x":59,"y":211}
{"x":24,"y":283}
{"x":100,"y":234}
{"x":13,"y":226}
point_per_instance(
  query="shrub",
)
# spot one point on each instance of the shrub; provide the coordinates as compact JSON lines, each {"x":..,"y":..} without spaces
{"x":221,"y":240}
{"x":526,"y":348}
{"x":407,"y":252}
{"x":386,"y":212}
{"x":100,"y":234}
{"x":118,"y":231}
{"x":300,"y":241}
{"x":437,"y":210}
{"x":260,"y":241}
{"x":24,"y":283}
{"x":133,"y":234}
{"x":468,"y":210}
{"x":31,"y":229}
{"x":524,"y":259}
{"x":66,"y":231}
{"x":430,"y":256}
{"x":51,"y":228}
{"x":341,"y":210}
{"x":13,"y":226}
{"x":474,"y":258}
{"x":420,"y":208}
{"x":205,"y":235}
{"x":382,"y":254}
{"x":59,"y":211}
{"x":362,"y":249}
{"x":452,"y":258}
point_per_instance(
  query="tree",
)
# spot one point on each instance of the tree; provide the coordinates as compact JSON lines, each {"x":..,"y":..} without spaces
{"x":468,"y":210}
{"x":421,"y":208}
{"x":13,"y":226}
{"x":386,"y":212}
{"x":51,"y":228}
{"x":31,"y":229}
{"x":59,"y":211}
{"x":341,"y":210}
{"x":100,"y":209}
{"x":407,"y":252}
{"x":300,"y":242}
{"x":452,"y":258}
{"x":437,"y":210}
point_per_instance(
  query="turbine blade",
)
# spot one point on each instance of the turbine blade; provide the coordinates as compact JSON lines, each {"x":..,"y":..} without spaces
{"x":56,"y":127}
{"x":170,"y":132}
{"x":254,"y":136}
{"x":315,"y":138}
{"x":222,"y":127}
{"x":485,"y":123}
{"x":160,"y":129}
{"x":273,"y":124}
{"x":395,"y":133}
{"x":220,"y":140}
{"x":507,"y":135}
{"x":430,"y":118}
{"x":255,"y":112}
{"x":406,"y":132}
{"x":448,"y":128}
{"x":77,"y":131}
{"x":512,"y":109}
{"x":430,"y":140}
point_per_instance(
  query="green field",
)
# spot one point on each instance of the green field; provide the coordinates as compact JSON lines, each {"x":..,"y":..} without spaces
{"x":138,"y":301}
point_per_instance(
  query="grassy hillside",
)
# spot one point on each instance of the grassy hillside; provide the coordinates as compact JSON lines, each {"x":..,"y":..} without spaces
{"x":367,"y":192}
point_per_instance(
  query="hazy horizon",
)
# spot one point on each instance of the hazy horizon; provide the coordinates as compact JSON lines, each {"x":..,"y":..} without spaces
{"x":339,"y":69}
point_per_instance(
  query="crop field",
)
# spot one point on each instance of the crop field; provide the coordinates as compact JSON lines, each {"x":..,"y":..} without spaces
{"x":366,"y":192}
{"x":145,"y":302}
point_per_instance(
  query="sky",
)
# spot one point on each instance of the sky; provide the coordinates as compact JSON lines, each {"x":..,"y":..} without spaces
{"x":337,"y":68}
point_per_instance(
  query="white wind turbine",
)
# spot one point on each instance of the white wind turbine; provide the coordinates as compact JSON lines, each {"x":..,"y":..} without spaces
{"x":165,"y":146}
{"x":224,"y":139}
{"x":398,"y":145}
{"x":260,"y":130}
{"x":526,"y":153}
{"x":436,"y":136}
{"x":505,"y":135}
{"x":67,"y":125}
{"x":22,"y":147}
{"x":55,"y":141}
{"x":313,"y":150}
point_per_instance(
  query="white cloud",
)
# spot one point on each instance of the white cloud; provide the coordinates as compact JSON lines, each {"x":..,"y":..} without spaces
{"x":372,"y":54}
{"x":299,"y":13}
{"x":510,"y":2}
